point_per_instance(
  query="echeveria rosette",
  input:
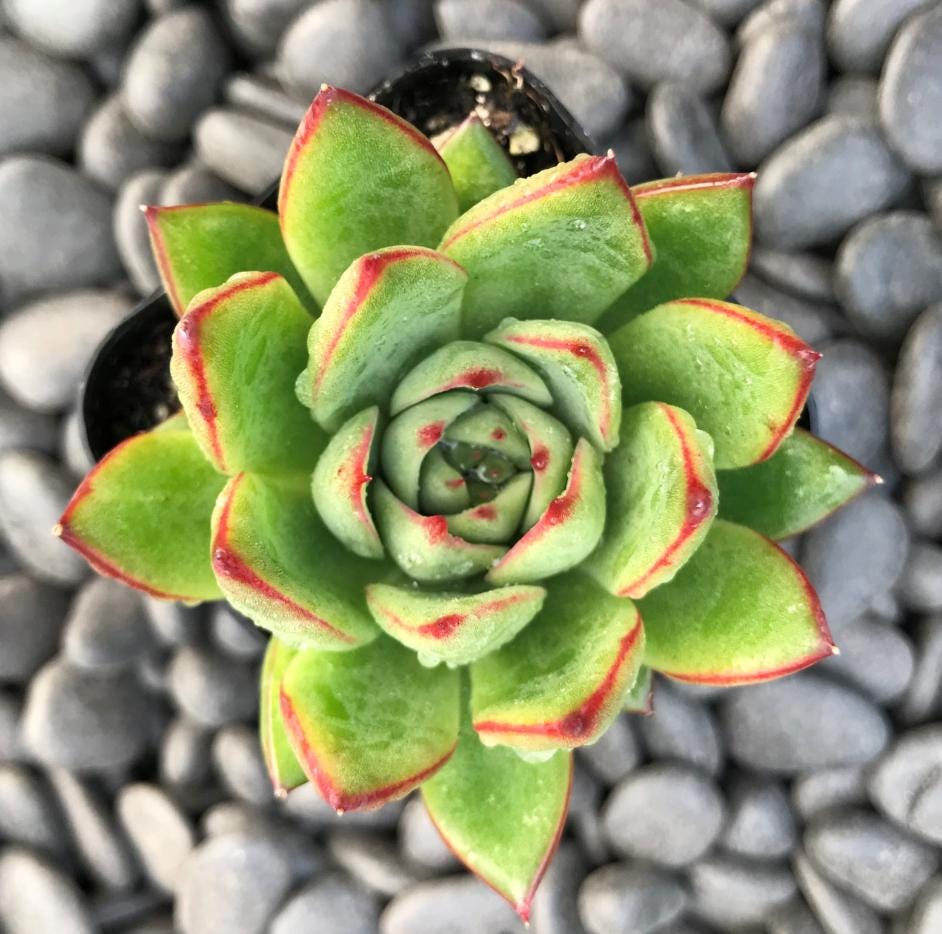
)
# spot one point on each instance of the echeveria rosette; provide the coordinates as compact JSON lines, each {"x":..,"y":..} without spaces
{"x":521,"y":458}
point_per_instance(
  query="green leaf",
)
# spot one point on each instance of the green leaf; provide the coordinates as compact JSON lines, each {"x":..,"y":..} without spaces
{"x":640,"y":696}
{"x":701,"y":228}
{"x":579,"y":369}
{"x":563,"y":243}
{"x":566,"y":532}
{"x":503,"y":817}
{"x":469,"y":365}
{"x":201,"y":246}
{"x":739,"y":611}
{"x":284,"y":770}
{"x":422,"y":545}
{"x":742,"y":376}
{"x":236,"y":355}
{"x":358,"y":178}
{"x":490,"y":427}
{"x":495,"y":521}
{"x":476,"y":161}
{"x":563,"y":680}
{"x":799,"y":486}
{"x":388,"y":310}
{"x":370,"y":725}
{"x":661,"y":500}
{"x":277,"y":563}
{"x":340,"y":482}
{"x":454,"y":628}
{"x":442,"y":488}
{"x":142,"y":515}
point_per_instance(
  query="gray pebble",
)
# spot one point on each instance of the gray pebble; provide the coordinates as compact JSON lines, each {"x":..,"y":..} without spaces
{"x":922,"y":699}
{"x":875,"y":657}
{"x":802,"y":723}
{"x":330,"y":904}
{"x":927,"y":914}
{"x":560,"y":15}
{"x":264,"y":97}
{"x":633,"y":154}
{"x":210,"y":689}
{"x":805,"y":275}
{"x":372,"y":860}
{"x":760,"y":823}
{"x":184,"y":753}
{"x":235,"y":634}
{"x":81,"y":720}
{"x":35,"y":897}
{"x":232,"y":816}
{"x":730,"y":893}
{"x":860,"y":31}
{"x":630,"y":899}
{"x":10,"y":746}
{"x":809,"y":14}
{"x":106,"y":626}
{"x":775,"y":90}
{"x":241,"y":149}
{"x":306,"y":807}
{"x":259,"y":24}
{"x":921,"y":584}
{"x":130,"y":228}
{"x":23,"y":428}
{"x":615,"y":753}
{"x":793,"y":918}
{"x":55,"y":229}
{"x":72,"y":448}
{"x":917,"y":394}
{"x":922,"y":499}
{"x":825,"y":789}
{"x":33,"y":492}
{"x":232,"y":884}
{"x":870,"y":858}
{"x":727,"y":12}
{"x":488,"y":19}
{"x":347,"y":43}
{"x":420,"y":841}
{"x":193,"y":183}
{"x":237,"y":756}
{"x":651,"y":42}
{"x":43,"y":102}
{"x":174,"y":73}
{"x":584,"y":818}
{"x":669,"y":814}
{"x":73,"y":28}
{"x":27,"y":814}
{"x":823,"y":180}
{"x":812,"y":320}
{"x":853,"y":94}
{"x":555,"y":905}
{"x":31,"y":615}
{"x":838,"y":911}
{"x":932,"y":191}
{"x":911,"y":92}
{"x":174,"y":624}
{"x":46,"y":346}
{"x":887,"y":270}
{"x":683,"y":133}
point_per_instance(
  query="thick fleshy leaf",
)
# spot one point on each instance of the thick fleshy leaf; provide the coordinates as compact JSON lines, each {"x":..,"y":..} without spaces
{"x":490,"y":427}
{"x":563,"y":243}
{"x":284,"y":770}
{"x":412,"y":434}
{"x":739,"y":611}
{"x":358,"y":178}
{"x":341,"y":478}
{"x":742,"y":376}
{"x":550,"y":452}
{"x":388,"y":310}
{"x":495,"y":521}
{"x":423,"y":547}
{"x":701,"y":228}
{"x":801,"y":484}
{"x":469,"y":365}
{"x":277,"y":563}
{"x":454,"y":628}
{"x":579,"y":368}
{"x":661,"y":500}
{"x":442,"y":488}
{"x":476,"y":161}
{"x":640,"y":696}
{"x":567,"y":531}
{"x":563,"y":680}
{"x":200,"y":246}
{"x":236,"y":355}
{"x":502,"y":817}
{"x":142,"y":515}
{"x":370,"y":725}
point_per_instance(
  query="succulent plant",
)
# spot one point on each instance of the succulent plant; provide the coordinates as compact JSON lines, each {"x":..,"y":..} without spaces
{"x":481,"y":453}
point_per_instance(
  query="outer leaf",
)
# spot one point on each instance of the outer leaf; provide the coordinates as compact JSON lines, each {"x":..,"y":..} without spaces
{"x":502,"y":817}
{"x":200,"y":246}
{"x":563,"y":243}
{"x":284,"y":770}
{"x":340,"y":483}
{"x":742,"y":376}
{"x":369,"y":726}
{"x":495,"y":521}
{"x":661,"y":500}
{"x":477,"y":162}
{"x":579,"y":368}
{"x":388,"y":310}
{"x":800,"y":485}
{"x":142,"y":515}
{"x":701,"y":228}
{"x":568,"y":530}
{"x":452,"y":627}
{"x":739,"y":611}
{"x":563,"y":680}
{"x":277,"y":563}
{"x":236,"y":356}
{"x":640,"y":697}
{"x":358,"y":178}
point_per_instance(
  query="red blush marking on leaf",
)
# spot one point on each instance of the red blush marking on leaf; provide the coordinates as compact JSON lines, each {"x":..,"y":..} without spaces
{"x":540,"y":459}
{"x":339,"y":800}
{"x":486,"y":513}
{"x":162,"y":255}
{"x":429,"y":435}
{"x":359,"y":479}
{"x":498,"y":434}
{"x":455,"y":483}
{"x":745,"y":180}
{"x":442,"y":627}
{"x":699,"y":507}
{"x":477,"y":378}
